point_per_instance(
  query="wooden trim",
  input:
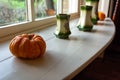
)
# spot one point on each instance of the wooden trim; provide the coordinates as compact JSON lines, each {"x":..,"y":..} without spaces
{"x":30,"y":9}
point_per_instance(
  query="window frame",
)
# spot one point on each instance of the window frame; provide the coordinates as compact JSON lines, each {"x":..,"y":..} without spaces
{"x":9,"y":31}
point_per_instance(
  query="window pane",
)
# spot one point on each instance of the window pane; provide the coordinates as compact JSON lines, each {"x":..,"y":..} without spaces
{"x":82,"y":2}
{"x":73,"y":6}
{"x":12,"y":11}
{"x":70,"y":6}
{"x":65,"y":6}
{"x":45,"y":8}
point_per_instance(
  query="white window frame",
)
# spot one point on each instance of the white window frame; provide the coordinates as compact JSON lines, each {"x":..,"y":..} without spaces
{"x":9,"y":31}
{"x":104,"y":6}
{"x":71,"y":8}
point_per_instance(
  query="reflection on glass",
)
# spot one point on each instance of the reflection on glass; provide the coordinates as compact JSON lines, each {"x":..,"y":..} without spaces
{"x":70,"y":6}
{"x":65,"y":6}
{"x":45,"y":8}
{"x":12,"y":11}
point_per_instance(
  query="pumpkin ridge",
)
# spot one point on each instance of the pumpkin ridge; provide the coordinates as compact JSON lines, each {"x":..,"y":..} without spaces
{"x":43,"y":47}
{"x":35,"y":49}
{"x":42,"y":44}
{"x":21,"y":47}
{"x":14,"y":43}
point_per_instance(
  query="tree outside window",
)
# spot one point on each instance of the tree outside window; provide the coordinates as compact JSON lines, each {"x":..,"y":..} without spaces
{"x":12,"y":11}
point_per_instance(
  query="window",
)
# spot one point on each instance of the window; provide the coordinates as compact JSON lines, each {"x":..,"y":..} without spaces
{"x":12,"y":11}
{"x":69,"y":6}
{"x":82,"y":2}
{"x":18,"y":16}
{"x":16,"y":11}
{"x":45,"y":8}
{"x":29,"y":15}
{"x":105,"y":6}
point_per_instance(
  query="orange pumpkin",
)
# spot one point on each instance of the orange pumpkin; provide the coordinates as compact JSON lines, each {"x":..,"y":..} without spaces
{"x":101,"y":16}
{"x":28,"y":46}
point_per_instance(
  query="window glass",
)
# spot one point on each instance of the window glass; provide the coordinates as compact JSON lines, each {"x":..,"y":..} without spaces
{"x":65,"y":6}
{"x":82,"y":2}
{"x":12,"y":11}
{"x":45,"y":8}
{"x":73,"y":7}
{"x":70,"y":6}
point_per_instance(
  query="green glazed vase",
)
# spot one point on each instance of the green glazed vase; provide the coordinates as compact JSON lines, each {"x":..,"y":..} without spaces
{"x":85,"y":22}
{"x":94,"y":4}
{"x":62,"y":30}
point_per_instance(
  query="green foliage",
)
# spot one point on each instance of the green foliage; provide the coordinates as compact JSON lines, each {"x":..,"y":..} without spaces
{"x":12,"y":11}
{"x":55,"y":1}
{"x":14,"y":3}
{"x":18,"y":4}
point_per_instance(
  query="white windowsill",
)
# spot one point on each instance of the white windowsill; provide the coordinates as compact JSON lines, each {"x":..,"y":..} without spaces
{"x":63,"y":59}
{"x":9,"y":31}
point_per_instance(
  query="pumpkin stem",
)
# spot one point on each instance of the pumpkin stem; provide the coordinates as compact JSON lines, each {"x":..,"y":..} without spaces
{"x":30,"y":36}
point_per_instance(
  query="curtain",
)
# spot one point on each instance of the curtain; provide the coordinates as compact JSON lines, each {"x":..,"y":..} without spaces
{"x":116,"y":20}
{"x":116,"y":15}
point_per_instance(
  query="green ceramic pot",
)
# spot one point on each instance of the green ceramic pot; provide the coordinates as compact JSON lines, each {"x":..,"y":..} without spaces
{"x":94,"y":3}
{"x":62,"y":30}
{"x":85,"y":22}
